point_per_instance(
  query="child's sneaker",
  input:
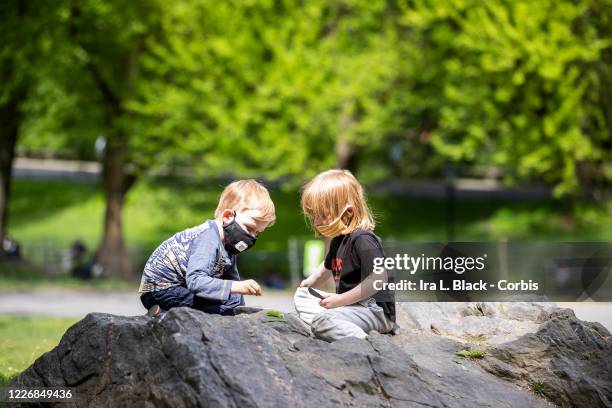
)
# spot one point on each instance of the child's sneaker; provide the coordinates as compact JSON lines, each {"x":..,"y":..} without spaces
{"x":154,"y":311}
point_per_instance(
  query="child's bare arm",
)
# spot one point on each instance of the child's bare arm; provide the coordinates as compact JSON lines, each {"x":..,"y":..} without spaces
{"x":360,"y":292}
{"x":318,"y":278}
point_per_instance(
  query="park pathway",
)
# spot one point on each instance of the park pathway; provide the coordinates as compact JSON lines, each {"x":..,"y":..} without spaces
{"x":79,"y":303}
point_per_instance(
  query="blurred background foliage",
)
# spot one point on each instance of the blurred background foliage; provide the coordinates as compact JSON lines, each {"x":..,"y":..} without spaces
{"x":174,"y":99}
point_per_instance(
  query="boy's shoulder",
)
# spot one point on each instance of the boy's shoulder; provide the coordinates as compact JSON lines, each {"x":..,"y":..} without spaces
{"x":207,"y":229}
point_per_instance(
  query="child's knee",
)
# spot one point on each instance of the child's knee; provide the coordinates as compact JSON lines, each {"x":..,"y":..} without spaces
{"x":320,"y":323}
{"x":326,"y":326}
{"x":319,"y":319}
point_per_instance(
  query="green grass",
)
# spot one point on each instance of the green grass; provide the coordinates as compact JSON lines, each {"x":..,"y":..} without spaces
{"x":14,"y":284}
{"x":53,"y":214}
{"x":62,"y":212}
{"x":24,"y":339}
{"x":537,"y":387}
{"x":473,"y":354}
{"x":21,"y":276}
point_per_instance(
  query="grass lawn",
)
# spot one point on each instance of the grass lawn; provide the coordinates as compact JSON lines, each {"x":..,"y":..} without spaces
{"x":29,"y":284}
{"x":46,"y":216}
{"x":64,"y":211}
{"x":24,"y":339}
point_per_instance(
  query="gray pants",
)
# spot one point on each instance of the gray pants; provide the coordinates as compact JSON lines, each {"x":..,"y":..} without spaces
{"x":332,"y":324}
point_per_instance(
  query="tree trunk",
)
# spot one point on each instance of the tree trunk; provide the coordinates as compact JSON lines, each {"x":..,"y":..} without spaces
{"x":113,"y":255}
{"x":345,"y":148}
{"x":346,"y":155}
{"x":10,"y":119}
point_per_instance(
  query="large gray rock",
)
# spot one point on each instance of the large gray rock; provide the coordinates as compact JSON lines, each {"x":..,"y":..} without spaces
{"x":474,"y":322}
{"x":189,"y":358}
{"x":570,"y":360}
{"x":536,"y":346}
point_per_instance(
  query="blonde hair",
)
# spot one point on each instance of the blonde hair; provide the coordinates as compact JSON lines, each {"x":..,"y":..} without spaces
{"x":243,"y":195}
{"x":328,"y":194}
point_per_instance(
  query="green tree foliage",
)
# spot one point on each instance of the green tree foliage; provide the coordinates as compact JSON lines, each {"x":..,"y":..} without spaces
{"x":517,"y":84}
{"x":84,"y":92}
{"x":109,"y":42}
{"x":23,"y":29}
{"x":270,"y":86}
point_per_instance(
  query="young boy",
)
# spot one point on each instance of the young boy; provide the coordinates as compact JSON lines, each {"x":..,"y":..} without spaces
{"x":197,"y":267}
{"x":335,"y":205}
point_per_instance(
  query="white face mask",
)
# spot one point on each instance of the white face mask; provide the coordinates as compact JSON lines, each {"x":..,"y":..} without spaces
{"x":334,"y":228}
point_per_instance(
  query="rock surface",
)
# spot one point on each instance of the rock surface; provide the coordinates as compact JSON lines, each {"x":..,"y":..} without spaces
{"x":189,"y":358}
{"x":536,"y":346}
{"x":474,"y":322}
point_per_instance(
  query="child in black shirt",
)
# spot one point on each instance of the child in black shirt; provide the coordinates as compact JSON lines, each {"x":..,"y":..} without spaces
{"x":335,"y":205}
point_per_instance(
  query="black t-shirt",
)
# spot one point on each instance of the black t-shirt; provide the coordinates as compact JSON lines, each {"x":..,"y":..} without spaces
{"x":351,"y":258}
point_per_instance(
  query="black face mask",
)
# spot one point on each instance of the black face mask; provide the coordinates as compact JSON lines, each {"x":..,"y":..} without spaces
{"x":237,"y":240}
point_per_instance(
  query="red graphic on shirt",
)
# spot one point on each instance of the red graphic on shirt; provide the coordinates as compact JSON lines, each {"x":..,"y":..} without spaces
{"x":336,"y":267}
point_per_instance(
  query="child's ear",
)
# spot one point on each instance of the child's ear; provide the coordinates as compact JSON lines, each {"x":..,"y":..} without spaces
{"x":228,"y":216}
{"x":350,"y":211}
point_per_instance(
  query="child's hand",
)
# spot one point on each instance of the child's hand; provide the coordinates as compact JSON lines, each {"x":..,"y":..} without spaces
{"x":332,"y":301}
{"x":307,"y":282}
{"x":246,"y":287}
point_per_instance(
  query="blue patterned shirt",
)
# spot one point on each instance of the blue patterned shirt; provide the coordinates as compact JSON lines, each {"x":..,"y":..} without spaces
{"x":194,"y":258}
